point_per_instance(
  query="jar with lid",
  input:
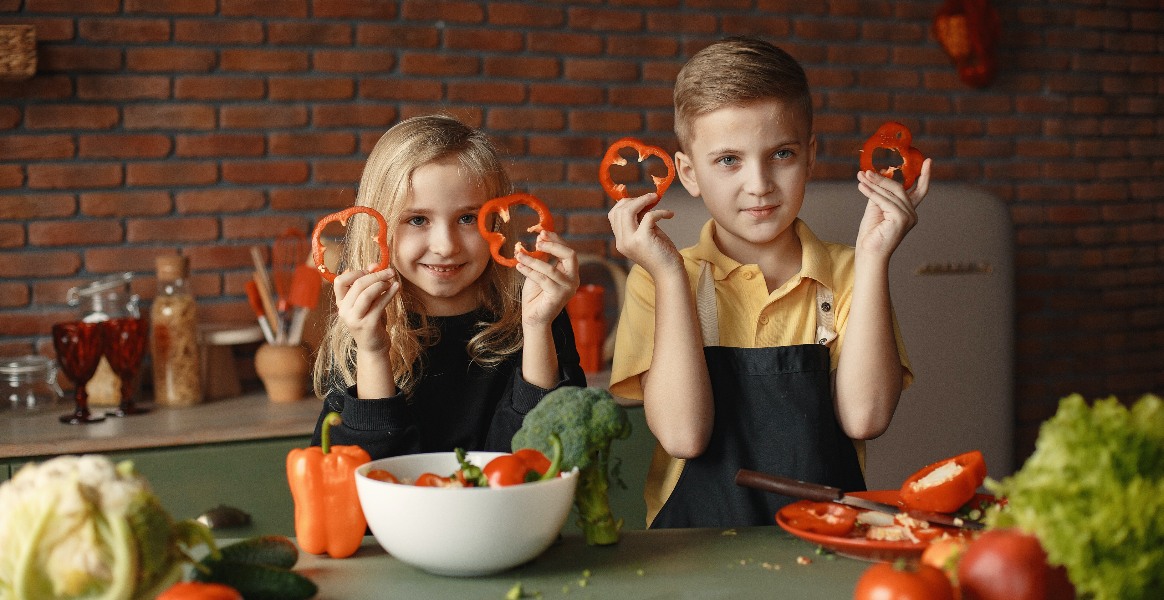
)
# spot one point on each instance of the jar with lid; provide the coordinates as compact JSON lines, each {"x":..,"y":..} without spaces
{"x":29,"y":384}
{"x":174,"y":336}
{"x":107,"y":298}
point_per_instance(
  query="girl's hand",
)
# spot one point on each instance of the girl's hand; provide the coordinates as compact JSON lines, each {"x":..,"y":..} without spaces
{"x":361,"y":298}
{"x":548,"y":287}
{"x":891,"y":211}
{"x":638,"y":237}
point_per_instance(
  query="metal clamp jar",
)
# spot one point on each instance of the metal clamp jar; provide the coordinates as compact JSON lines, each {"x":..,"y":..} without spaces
{"x":29,"y":384}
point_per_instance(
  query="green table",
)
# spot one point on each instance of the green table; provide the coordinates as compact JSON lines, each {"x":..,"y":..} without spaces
{"x":757,"y":562}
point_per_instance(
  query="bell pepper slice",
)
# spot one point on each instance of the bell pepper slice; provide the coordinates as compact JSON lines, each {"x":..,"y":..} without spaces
{"x":825,"y":518}
{"x":897,"y":137}
{"x":617,"y":191}
{"x":946,"y":485}
{"x":342,"y":216}
{"x":496,"y":239}
{"x":328,"y":516}
{"x":524,"y":465}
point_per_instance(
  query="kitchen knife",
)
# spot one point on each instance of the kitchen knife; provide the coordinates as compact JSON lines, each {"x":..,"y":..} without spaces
{"x":824,"y":493}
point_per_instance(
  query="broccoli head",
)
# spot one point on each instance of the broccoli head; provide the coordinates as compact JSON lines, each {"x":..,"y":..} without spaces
{"x":586,"y":420}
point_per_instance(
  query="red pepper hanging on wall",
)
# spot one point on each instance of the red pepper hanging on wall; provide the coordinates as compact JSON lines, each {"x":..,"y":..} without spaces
{"x":968,"y":31}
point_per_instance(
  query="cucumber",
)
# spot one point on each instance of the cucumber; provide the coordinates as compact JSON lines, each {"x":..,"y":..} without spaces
{"x":270,"y":550}
{"x":258,"y":582}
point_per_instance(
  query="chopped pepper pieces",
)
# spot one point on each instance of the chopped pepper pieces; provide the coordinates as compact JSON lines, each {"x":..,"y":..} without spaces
{"x":328,"y":516}
{"x":343,"y":216}
{"x":617,"y":191}
{"x":897,"y":137}
{"x":946,"y":485}
{"x":825,"y":518}
{"x":496,"y":239}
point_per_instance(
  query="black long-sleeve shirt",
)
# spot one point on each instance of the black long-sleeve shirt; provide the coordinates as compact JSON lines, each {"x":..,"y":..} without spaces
{"x":457,"y":403}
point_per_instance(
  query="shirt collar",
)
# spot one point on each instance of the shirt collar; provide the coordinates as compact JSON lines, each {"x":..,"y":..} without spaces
{"x":816,"y":262}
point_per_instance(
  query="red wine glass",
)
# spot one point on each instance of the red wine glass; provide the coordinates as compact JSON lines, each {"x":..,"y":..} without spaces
{"x":79,"y":347}
{"x":125,"y":345}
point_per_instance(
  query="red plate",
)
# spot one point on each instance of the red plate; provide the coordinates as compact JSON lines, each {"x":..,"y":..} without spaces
{"x":862,"y":548}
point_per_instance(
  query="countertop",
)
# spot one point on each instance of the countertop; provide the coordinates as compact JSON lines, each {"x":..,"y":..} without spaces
{"x":753,"y":562}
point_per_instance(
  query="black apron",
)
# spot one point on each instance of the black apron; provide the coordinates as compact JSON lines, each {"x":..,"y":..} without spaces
{"x":773,"y":414}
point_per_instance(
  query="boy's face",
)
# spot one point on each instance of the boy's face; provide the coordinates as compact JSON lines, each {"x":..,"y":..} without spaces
{"x":750,"y":164}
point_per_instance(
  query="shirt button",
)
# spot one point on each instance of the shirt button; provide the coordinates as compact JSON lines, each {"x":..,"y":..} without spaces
{"x":763,"y":319}
{"x":821,"y":341}
{"x":825,"y":306}
{"x":749,"y":275}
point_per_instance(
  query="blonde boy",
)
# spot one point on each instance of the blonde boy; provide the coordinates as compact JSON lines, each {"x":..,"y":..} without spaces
{"x":761,"y":346}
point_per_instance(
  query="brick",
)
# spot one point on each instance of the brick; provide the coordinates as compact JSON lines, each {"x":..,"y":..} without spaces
{"x":566,"y":146}
{"x":36,"y":147}
{"x":353,"y":9}
{"x":169,"y":116}
{"x":215,"y":87}
{"x":171,"y":229}
{"x":296,"y":33}
{"x":684,"y":23}
{"x":401,"y":89}
{"x":171,"y":7}
{"x":168,"y":60}
{"x":27,"y":207}
{"x":522,"y":67}
{"x":526,"y":172}
{"x":92,"y":7}
{"x":39,"y":322}
{"x":69,"y":116}
{"x":451,"y":11}
{"x":316,"y":198}
{"x":920,"y":104}
{"x":66,"y":176}
{"x":10,"y":117}
{"x":533,"y":119}
{"x":263,"y":61}
{"x":642,"y":46}
{"x":219,"y":144}
{"x":438,"y":64}
{"x":218,"y":31}
{"x":658,"y":70}
{"x":777,"y":27}
{"x":524,"y":15}
{"x":260,"y":227}
{"x":263,"y":8}
{"x":337,"y":170}
{"x":263,"y":172}
{"x":583,"y":69}
{"x":487,"y":92}
{"x":308,"y":144}
{"x":641,"y":95}
{"x":262,"y":116}
{"x":565,"y":93}
{"x":484,"y":40}
{"x":171,"y":173}
{"x":397,"y":36}
{"x":353,"y":115}
{"x":126,"y":203}
{"x":14,"y":295}
{"x":124,"y":31}
{"x":857,"y":101}
{"x":12,"y":235}
{"x":602,"y":19}
{"x":50,"y":29}
{"x":74,"y":233}
{"x":33,"y":264}
{"x":222,"y":257}
{"x":555,"y":41}
{"x":352,"y":61}
{"x":73,"y":59}
{"x":313,"y":88}
{"x":123,"y":146}
{"x":122,"y":87}
{"x":219,"y":200}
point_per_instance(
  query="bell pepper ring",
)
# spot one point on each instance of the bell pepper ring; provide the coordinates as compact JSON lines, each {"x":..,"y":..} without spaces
{"x":496,"y":239}
{"x":617,"y":191}
{"x":342,"y":216}
{"x":825,"y":518}
{"x":897,"y":137}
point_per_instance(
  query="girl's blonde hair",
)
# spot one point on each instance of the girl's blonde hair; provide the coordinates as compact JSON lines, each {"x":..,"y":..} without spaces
{"x":734,"y":72}
{"x":386,"y":186}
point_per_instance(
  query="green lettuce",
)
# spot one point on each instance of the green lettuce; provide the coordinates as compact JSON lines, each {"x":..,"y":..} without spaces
{"x":1093,"y":494}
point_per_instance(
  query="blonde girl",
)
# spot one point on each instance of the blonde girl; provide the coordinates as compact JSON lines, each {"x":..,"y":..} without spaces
{"x":444,"y":349}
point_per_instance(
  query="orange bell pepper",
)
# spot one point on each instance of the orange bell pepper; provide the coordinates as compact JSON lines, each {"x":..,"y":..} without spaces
{"x":328,"y":517}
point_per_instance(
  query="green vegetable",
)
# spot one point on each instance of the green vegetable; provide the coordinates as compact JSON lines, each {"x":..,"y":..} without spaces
{"x":82,"y":527}
{"x":258,"y":582}
{"x":271,"y":550}
{"x":1093,"y":494}
{"x":586,"y":420}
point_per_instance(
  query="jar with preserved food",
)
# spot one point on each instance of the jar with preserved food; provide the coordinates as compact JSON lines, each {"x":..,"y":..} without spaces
{"x":107,"y":298}
{"x":174,"y":336}
{"x":29,"y":384}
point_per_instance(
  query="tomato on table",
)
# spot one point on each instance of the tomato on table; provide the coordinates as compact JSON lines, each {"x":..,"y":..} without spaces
{"x":886,"y":581}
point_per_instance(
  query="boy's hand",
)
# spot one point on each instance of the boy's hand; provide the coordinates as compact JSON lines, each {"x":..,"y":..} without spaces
{"x":891,"y":212}
{"x":360,"y":300}
{"x":638,"y":237}
{"x":548,"y":287}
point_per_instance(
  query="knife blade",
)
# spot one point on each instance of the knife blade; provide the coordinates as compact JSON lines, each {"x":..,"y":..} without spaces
{"x":823,"y":493}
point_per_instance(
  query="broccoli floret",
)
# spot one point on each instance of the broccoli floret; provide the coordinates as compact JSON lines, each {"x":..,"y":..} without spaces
{"x":586,"y":420}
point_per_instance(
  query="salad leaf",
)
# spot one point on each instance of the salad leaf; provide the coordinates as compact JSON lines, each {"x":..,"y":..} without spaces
{"x":1093,"y":494}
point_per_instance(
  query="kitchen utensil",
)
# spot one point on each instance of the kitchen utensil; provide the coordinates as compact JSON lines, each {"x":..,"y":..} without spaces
{"x":257,"y":306}
{"x":304,"y":296}
{"x":262,"y":279}
{"x":79,"y":346}
{"x":290,"y":250}
{"x":125,"y":346}
{"x":823,"y":493}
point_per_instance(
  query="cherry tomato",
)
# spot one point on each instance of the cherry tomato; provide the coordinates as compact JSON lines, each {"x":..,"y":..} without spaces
{"x":825,"y":518}
{"x":197,"y":590}
{"x":944,"y":554}
{"x":382,"y":475}
{"x":885,"y":581}
{"x":1009,"y":564}
{"x":432,"y":480}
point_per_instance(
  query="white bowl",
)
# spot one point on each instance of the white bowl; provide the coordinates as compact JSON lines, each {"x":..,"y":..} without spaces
{"x":461,"y":531}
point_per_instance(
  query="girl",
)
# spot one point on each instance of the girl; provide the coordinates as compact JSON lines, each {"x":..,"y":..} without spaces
{"x":446,"y":348}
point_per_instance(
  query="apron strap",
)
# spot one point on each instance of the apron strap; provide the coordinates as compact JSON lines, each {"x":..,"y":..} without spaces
{"x":708,"y":312}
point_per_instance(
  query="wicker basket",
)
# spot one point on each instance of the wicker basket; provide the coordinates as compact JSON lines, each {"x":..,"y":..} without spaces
{"x":17,"y":52}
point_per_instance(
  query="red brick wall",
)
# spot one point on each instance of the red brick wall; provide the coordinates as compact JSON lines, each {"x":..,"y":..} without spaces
{"x":211,"y":125}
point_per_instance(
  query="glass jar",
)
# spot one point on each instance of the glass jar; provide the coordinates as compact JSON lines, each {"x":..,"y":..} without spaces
{"x":29,"y":384}
{"x":107,"y":298}
{"x":174,"y":336}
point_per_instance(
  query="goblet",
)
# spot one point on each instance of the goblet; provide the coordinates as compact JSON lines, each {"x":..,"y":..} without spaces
{"x":79,"y":346}
{"x":125,"y":344}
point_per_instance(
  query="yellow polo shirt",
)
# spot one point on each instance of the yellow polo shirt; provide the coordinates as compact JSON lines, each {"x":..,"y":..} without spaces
{"x":749,"y":317}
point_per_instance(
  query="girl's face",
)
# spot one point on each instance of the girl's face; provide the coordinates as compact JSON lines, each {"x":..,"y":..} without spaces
{"x":436,"y":247}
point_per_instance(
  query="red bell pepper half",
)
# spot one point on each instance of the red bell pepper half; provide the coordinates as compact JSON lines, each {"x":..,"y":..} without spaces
{"x":343,"y":216}
{"x":946,"y":485}
{"x":496,"y":239}
{"x":617,"y":191}
{"x":897,"y":137}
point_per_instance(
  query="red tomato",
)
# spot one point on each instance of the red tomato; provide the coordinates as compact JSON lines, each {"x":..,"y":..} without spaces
{"x":885,"y":581}
{"x":1007,"y":564}
{"x":825,"y":518}
{"x":196,"y":590}
{"x":433,"y":480}
{"x":382,"y":475}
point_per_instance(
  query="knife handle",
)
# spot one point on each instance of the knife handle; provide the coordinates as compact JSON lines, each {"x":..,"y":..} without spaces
{"x":787,"y":486}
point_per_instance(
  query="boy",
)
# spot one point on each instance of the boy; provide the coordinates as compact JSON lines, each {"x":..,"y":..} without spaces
{"x":760,"y":347}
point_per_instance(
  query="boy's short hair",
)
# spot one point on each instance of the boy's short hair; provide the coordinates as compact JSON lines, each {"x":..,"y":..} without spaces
{"x":733,"y":72}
